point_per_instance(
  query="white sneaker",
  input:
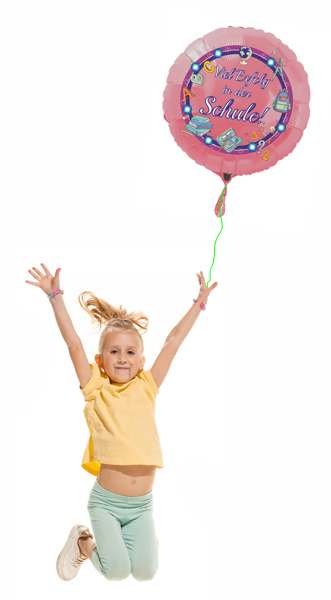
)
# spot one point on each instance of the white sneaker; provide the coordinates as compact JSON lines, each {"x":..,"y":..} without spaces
{"x":69,"y":560}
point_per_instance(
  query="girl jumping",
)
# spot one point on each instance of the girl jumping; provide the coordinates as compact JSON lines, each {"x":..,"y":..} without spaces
{"x":123,"y":451}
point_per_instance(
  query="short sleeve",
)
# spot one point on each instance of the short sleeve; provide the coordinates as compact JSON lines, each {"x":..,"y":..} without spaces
{"x":95,"y":382}
{"x":148,"y":379}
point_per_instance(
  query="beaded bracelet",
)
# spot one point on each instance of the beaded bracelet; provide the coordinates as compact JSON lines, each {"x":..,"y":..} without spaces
{"x":55,"y":293}
{"x":203,"y":307}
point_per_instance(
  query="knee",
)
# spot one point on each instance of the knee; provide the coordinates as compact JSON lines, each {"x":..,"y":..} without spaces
{"x":146,"y":573}
{"x":117,"y":572}
{"x":116,"y":576}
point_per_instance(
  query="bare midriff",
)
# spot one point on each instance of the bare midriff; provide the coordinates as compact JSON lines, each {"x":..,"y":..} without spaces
{"x":127,"y":480}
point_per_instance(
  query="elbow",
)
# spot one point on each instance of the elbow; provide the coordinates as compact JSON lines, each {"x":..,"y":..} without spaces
{"x":174,"y":341}
{"x":74,"y":344}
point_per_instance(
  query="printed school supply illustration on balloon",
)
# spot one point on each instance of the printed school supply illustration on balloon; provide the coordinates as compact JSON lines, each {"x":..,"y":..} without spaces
{"x":279,"y":67}
{"x":282,"y":101}
{"x":245,"y":53}
{"x":253,"y":94}
{"x":199,"y":125}
{"x":229,"y":140}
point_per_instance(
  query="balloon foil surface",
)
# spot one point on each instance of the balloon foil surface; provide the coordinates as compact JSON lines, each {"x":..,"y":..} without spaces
{"x":237,"y":101}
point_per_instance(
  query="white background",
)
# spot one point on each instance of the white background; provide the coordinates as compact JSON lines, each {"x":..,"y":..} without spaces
{"x":242,"y":507}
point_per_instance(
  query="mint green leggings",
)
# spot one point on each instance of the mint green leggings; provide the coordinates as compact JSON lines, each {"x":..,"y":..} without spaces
{"x":124,"y":532}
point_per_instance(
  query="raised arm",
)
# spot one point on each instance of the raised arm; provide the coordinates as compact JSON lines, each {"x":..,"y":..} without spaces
{"x":49,"y":284}
{"x":178,"y":334}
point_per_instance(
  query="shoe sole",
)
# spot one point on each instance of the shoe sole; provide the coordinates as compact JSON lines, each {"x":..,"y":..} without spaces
{"x":72,"y":533}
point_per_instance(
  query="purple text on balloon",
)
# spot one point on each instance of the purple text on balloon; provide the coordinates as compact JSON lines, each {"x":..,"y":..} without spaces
{"x":232,"y":113}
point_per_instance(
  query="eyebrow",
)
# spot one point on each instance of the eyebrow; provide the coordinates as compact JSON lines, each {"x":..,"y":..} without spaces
{"x":116,"y":346}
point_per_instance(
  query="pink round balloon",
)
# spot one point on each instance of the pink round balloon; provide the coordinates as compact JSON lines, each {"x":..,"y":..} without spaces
{"x":237,"y":101}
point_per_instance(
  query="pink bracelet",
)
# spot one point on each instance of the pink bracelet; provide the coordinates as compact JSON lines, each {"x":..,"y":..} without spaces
{"x":202,"y":306}
{"x":55,"y":293}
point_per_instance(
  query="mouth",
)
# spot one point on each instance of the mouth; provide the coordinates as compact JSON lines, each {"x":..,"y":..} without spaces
{"x":122,"y":368}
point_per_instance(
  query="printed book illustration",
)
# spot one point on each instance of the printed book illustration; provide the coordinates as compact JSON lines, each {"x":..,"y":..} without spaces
{"x":199,"y":125}
{"x":229,"y":140}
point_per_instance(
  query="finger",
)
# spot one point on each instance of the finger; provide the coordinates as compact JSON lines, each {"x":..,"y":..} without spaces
{"x":33,"y":283}
{"x":45,"y":269}
{"x":57,"y":272}
{"x":33,"y":274}
{"x":39,"y":273}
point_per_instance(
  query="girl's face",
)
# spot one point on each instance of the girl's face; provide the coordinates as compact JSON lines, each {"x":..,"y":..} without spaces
{"x":121,"y":357}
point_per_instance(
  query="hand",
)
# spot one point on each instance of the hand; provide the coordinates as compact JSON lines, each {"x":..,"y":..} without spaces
{"x":47,"y":283}
{"x":204,"y":291}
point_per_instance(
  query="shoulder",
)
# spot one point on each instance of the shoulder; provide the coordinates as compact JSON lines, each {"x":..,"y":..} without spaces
{"x":98,"y":379}
{"x":147,"y":378}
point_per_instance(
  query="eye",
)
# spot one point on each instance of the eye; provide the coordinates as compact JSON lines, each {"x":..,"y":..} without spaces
{"x":113,"y":351}
{"x":131,"y":351}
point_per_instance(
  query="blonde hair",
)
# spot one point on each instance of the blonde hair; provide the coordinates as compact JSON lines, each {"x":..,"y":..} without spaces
{"x":103,"y":313}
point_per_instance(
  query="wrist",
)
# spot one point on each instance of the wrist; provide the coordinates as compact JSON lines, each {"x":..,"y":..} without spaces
{"x":199,"y":303}
{"x":55,"y":300}
{"x":55,"y":293}
{"x":202,"y":298}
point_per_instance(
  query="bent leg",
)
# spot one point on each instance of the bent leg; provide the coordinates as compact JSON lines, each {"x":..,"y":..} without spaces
{"x":140,"y":538}
{"x":110,"y":557}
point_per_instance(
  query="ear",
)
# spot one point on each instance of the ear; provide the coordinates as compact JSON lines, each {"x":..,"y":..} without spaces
{"x":142,"y":363}
{"x":98,"y":360}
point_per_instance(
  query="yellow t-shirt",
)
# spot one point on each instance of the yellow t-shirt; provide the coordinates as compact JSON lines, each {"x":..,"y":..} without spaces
{"x":121,"y":422}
